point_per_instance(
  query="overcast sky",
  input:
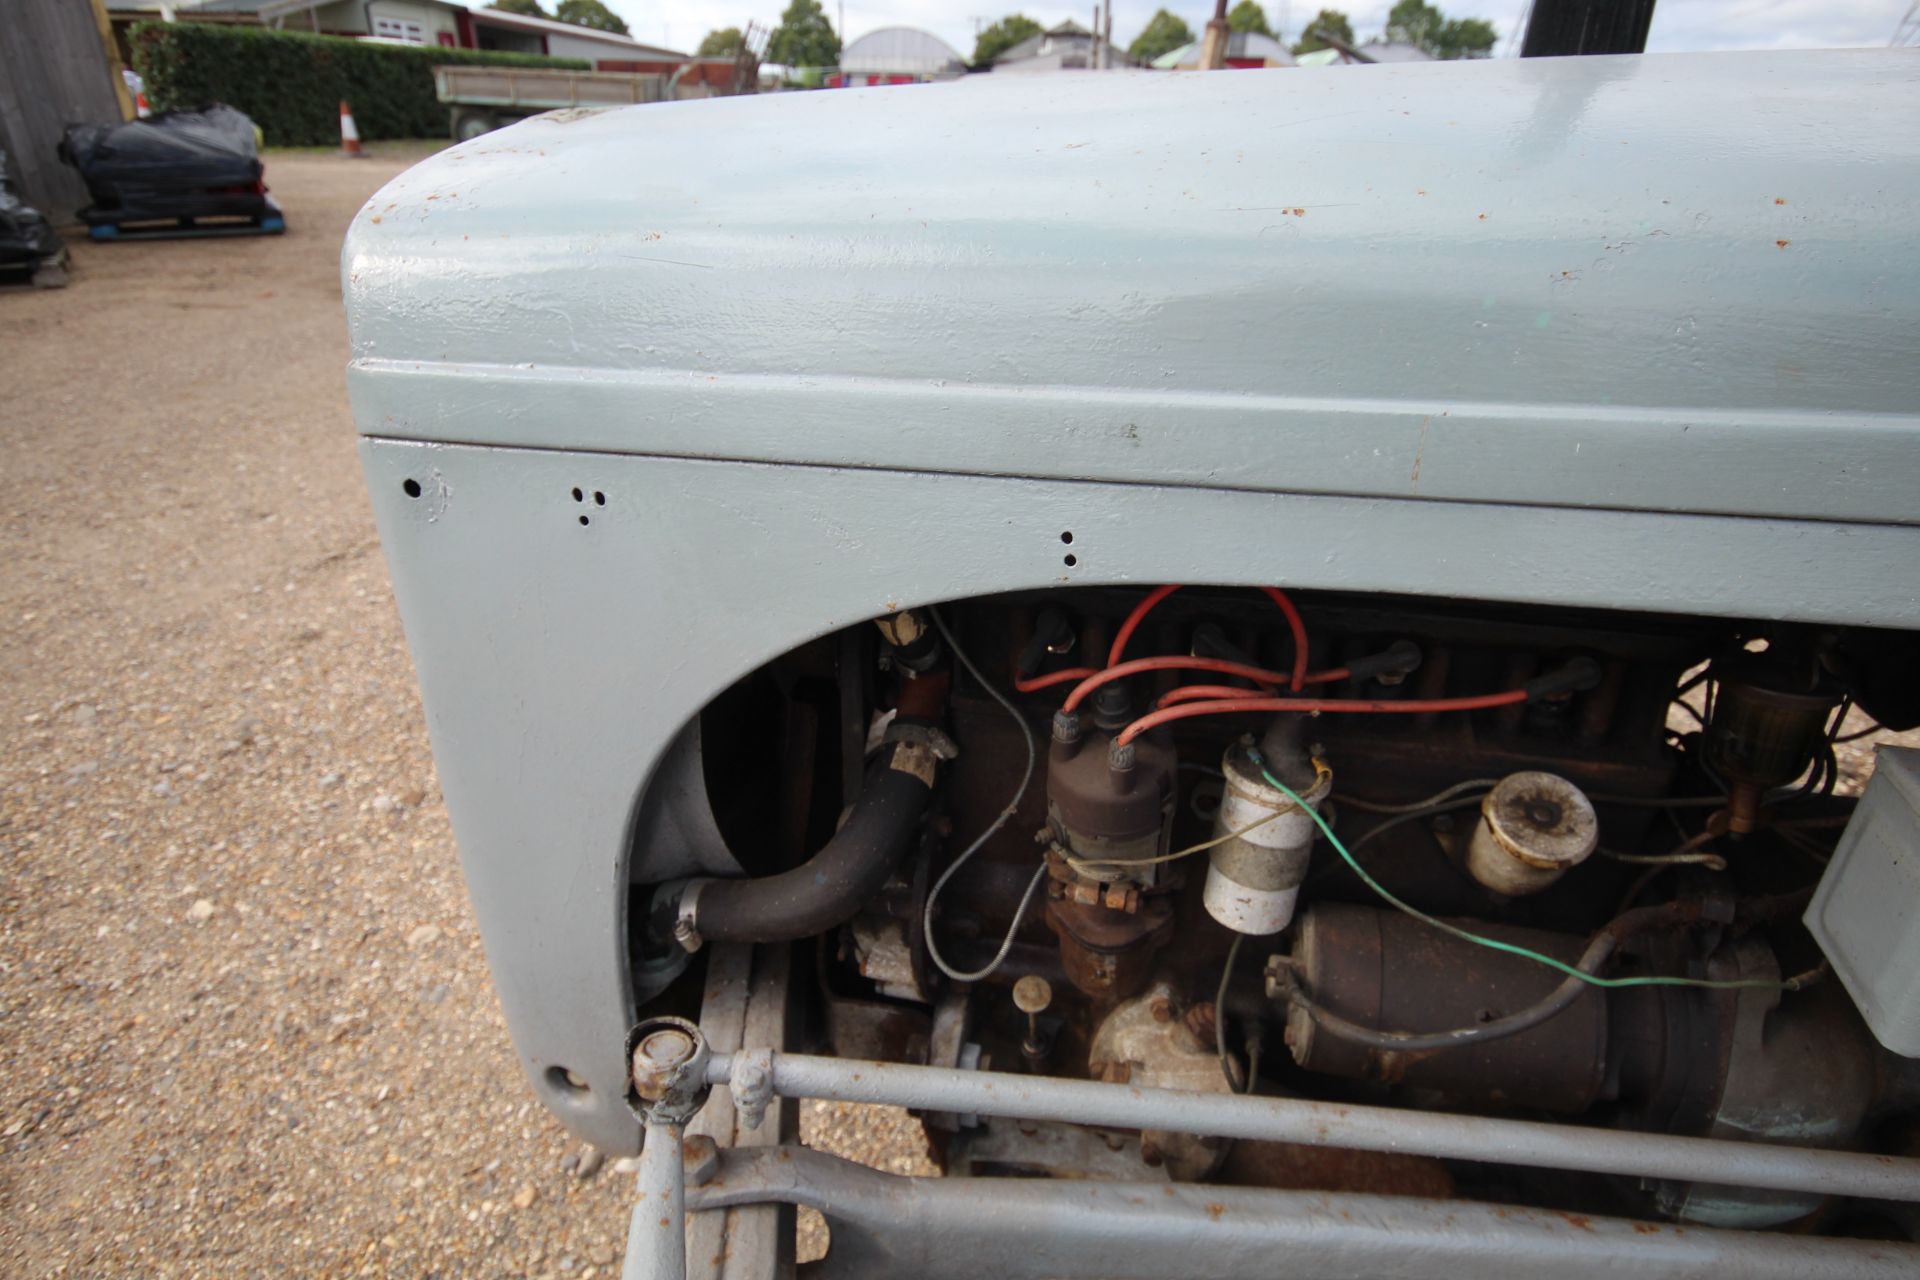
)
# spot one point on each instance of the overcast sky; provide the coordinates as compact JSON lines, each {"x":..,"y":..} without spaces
{"x":1677,"y":24}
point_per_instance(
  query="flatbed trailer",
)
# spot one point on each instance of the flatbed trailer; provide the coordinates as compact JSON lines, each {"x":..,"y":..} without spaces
{"x":481,"y":99}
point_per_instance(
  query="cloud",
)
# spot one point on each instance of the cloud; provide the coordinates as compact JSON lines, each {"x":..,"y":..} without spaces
{"x":1681,"y":25}
{"x":1678,"y":25}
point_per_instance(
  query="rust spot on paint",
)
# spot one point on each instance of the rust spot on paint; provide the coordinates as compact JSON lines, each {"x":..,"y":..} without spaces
{"x":666,"y":1222}
{"x":1781,"y":244}
{"x":374,"y":218}
{"x":1647,"y":1228}
{"x":1215,"y":1209}
{"x":1779,"y":199}
{"x":1579,"y":1220}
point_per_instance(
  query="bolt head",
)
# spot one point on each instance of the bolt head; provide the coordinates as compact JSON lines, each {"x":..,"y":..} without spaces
{"x":664,"y":1050}
{"x":669,"y":1062}
{"x":701,"y":1156}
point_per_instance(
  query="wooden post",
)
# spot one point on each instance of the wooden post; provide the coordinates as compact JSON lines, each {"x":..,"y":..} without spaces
{"x":107,"y":43}
{"x":1213,"y":45}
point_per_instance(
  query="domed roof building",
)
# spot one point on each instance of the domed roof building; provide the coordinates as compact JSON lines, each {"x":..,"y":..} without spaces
{"x":898,"y":55}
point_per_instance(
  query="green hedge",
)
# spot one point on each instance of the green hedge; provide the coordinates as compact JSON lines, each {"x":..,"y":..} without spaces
{"x":292,"y":83}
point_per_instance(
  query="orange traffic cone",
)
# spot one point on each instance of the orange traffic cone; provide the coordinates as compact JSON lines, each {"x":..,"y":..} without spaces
{"x":349,"y":134}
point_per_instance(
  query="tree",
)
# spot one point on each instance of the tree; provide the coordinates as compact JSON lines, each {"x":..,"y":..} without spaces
{"x":1331,"y":21}
{"x":590,"y":13}
{"x":1002,"y":36}
{"x":1248,"y":16}
{"x":804,"y":37}
{"x":1466,"y":38}
{"x":525,"y":8}
{"x":724,"y":43}
{"x":1417,"y":23}
{"x":1413,"y":22}
{"x":1163,"y":33}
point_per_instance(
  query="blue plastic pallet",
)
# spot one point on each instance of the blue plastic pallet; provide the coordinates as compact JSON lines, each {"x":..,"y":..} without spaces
{"x":271,"y":225}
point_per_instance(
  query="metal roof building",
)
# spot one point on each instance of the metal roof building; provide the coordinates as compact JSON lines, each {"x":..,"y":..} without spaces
{"x":1378,"y":51}
{"x":1066,"y":47}
{"x":1244,"y":49}
{"x":899,"y":55}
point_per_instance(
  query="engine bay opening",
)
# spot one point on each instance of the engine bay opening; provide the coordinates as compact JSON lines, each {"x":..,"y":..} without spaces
{"x":1481,"y":859}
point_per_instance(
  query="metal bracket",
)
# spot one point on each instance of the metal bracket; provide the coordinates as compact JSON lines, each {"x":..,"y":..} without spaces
{"x":751,"y":1080}
{"x":686,"y":917}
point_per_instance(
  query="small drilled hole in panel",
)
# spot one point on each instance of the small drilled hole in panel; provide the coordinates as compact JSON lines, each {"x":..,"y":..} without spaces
{"x":567,"y":1082}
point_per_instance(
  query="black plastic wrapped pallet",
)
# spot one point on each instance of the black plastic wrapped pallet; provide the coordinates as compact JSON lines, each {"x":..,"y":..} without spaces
{"x":212,"y":147}
{"x":26,"y":237}
{"x":180,"y":164}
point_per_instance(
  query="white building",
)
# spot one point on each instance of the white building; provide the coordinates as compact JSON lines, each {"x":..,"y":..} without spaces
{"x":898,"y":55}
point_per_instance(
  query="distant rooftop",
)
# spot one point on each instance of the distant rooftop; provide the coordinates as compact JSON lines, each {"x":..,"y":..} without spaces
{"x":1241,"y":44}
{"x":1064,"y":45}
{"x":547,"y":26}
{"x":1379,"y":51}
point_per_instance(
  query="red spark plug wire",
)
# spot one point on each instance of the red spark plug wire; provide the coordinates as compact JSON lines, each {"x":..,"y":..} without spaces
{"x":1239,"y":706}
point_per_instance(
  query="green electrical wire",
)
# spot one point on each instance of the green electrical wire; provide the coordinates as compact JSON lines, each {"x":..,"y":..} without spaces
{"x":1494,"y":943}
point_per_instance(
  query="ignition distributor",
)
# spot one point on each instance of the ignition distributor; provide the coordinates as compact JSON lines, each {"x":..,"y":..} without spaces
{"x":1109,"y":816}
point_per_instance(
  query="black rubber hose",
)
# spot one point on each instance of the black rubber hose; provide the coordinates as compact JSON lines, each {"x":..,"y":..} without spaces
{"x":826,"y":889}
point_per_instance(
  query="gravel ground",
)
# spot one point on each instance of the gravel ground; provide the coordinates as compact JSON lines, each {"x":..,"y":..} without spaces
{"x":247,"y":1024}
